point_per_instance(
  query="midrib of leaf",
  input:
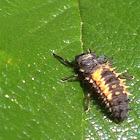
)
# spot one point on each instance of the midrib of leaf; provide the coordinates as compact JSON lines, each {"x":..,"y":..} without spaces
{"x":82,"y":43}
{"x":81,"y":22}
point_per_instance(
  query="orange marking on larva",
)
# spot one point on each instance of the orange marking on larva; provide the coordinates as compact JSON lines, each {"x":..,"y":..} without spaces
{"x":102,"y":85}
{"x":124,"y":86}
{"x":112,"y":69}
{"x":122,"y":82}
{"x":109,"y":97}
{"x":106,"y":91}
{"x":127,"y":87}
{"x":124,"y":90}
{"x":98,"y":80}
{"x":114,"y":86}
{"x":117,"y":74}
{"x":117,"y":93}
{"x":97,"y":73}
{"x":104,"y":88}
{"x":128,"y":94}
{"x":108,"y":67}
{"x":96,"y":76}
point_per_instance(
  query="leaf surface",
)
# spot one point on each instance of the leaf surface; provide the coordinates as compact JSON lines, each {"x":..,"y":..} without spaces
{"x":34,"y":103}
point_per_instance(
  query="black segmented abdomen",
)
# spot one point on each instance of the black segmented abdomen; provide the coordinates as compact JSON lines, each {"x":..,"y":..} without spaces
{"x":112,"y":91}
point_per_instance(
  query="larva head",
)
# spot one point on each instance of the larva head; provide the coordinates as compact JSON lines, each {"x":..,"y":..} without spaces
{"x":88,"y":61}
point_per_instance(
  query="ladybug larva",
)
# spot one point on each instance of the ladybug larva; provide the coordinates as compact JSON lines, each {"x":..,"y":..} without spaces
{"x":101,"y":77}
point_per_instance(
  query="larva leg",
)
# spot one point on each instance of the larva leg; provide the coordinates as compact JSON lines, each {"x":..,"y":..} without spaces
{"x":64,"y":60}
{"x":88,"y":101}
{"x":68,"y":78}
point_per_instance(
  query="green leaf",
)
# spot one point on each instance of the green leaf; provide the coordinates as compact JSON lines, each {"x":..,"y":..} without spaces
{"x":34,"y":103}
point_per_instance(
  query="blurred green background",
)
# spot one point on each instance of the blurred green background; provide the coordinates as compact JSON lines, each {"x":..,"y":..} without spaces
{"x":34,"y":104}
